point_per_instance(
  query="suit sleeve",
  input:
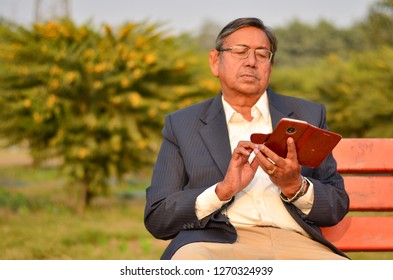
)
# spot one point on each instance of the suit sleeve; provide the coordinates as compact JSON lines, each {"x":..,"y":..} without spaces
{"x":170,"y":205}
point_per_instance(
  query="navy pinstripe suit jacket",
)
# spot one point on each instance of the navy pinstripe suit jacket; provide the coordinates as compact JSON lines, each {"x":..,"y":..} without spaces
{"x":195,"y":154}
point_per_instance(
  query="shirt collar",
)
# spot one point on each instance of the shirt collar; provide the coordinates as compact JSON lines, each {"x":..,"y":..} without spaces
{"x":262,"y":106}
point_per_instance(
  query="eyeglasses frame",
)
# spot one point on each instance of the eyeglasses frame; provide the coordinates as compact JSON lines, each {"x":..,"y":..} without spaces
{"x":248,"y":52}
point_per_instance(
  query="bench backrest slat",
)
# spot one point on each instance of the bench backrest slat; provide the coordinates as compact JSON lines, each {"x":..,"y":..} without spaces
{"x":370,"y":193}
{"x":365,"y":155}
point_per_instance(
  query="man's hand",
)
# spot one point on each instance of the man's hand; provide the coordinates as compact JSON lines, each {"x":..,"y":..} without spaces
{"x":240,"y":172}
{"x":283,"y":172}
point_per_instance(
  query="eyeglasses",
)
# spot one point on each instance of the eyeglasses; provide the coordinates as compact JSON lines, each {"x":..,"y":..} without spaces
{"x":242,"y":52}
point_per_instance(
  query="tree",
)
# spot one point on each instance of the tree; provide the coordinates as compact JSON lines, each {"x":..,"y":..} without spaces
{"x":302,"y":44}
{"x":94,"y":99}
{"x":379,"y":23}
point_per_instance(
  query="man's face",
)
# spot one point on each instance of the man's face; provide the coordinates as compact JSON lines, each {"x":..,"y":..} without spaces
{"x":246,"y":76}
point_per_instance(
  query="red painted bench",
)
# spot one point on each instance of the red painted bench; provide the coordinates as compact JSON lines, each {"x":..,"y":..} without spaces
{"x":367,"y":167}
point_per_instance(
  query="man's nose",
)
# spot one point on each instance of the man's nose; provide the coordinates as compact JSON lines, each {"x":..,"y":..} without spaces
{"x":251,"y":58}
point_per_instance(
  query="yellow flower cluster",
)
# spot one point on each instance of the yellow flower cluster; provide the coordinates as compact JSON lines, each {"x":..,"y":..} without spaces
{"x":51,"y":101}
{"x":55,"y":30}
{"x":135,"y":99}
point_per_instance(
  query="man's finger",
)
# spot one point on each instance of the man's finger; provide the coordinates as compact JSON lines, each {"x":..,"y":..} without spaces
{"x":291,"y":146}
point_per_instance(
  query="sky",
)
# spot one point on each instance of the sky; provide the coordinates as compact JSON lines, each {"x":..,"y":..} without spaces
{"x":188,"y":16}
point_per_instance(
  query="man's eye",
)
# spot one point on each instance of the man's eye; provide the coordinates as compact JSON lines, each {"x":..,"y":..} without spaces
{"x":262,"y":55}
{"x":240,"y":51}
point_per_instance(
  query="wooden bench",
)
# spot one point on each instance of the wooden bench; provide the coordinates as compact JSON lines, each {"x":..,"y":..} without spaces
{"x":367,"y":167}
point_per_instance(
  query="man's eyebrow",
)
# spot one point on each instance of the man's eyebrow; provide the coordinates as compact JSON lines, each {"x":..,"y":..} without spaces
{"x":240,"y":45}
{"x":257,"y":48}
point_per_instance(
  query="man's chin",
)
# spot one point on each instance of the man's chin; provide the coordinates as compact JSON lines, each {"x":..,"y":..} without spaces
{"x":251,"y":89}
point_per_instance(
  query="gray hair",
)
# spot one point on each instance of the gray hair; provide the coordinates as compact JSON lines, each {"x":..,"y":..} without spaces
{"x":246,"y":22}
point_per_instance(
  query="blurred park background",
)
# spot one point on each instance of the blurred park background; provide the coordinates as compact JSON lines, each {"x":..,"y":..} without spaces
{"x":82,"y":107}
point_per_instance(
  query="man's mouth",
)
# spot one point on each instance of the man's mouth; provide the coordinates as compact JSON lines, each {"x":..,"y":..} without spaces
{"x":249,"y":76}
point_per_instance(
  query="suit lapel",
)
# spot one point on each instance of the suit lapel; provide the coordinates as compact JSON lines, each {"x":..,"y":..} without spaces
{"x":278,"y":108}
{"x":215,"y":134}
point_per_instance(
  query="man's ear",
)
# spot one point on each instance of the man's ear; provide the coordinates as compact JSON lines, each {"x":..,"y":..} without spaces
{"x":213,"y":60}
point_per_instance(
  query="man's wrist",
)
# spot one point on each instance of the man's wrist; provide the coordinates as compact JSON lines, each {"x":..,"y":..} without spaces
{"x":302,"y":190}
{"x":220,"y":194}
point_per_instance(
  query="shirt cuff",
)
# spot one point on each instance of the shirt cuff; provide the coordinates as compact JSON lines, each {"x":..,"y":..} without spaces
{"x":208,"y":202}
{"x":305,"y":202}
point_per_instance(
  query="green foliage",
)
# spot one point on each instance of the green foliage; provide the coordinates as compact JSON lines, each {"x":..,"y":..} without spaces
{"x":379,"y":24}
{"x":19,"y":203}
{"x":302,"y":45}
{"x":13,"y":202}
{"x":359,"y":93}
{"x":95,"y":100}
{"x":349,"y":70}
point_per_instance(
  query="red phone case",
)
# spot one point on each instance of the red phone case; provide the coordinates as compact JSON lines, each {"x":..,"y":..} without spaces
{"x":313,"y":144}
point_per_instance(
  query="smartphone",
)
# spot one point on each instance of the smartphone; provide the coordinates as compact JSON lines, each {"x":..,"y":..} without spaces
{"x":313,"y":144}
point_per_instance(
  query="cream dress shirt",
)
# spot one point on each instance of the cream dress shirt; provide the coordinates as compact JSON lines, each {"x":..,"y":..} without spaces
{"x":259,"y":204}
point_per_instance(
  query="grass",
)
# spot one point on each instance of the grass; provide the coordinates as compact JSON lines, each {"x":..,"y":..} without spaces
{"x":106,"y":233}
{"x":38,"y":222}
